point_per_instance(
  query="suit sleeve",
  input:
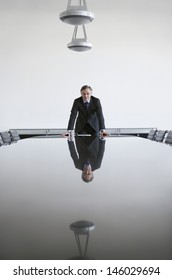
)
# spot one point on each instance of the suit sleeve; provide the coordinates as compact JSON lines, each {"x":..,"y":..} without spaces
{"x":100,"y":154}
{"x":73,"y":154}
{"x":73,"y":115}
{"x":100,"y":115}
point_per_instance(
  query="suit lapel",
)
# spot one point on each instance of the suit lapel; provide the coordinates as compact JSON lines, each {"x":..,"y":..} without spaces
{"x":86,"y":112}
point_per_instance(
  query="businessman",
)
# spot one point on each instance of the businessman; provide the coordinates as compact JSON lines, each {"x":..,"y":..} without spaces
{"x":87,"y":154}
{"x":86,"y":114}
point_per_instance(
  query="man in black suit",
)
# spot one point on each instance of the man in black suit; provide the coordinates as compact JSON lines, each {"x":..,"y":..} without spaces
{"x":86,"y":114}
{"x":87,"y":154}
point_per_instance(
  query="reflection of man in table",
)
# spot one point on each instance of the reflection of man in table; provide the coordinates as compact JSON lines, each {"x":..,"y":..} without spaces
{"x":87,"y":154}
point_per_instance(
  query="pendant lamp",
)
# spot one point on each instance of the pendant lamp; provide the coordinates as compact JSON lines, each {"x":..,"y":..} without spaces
{"x":82,"y":228}
{"x":77,"y":14}
{"x":79,"y":44}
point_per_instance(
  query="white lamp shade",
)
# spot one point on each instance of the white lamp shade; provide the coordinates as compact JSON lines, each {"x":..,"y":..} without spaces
{"x":79,"y":45}
{"x":76,"y":17}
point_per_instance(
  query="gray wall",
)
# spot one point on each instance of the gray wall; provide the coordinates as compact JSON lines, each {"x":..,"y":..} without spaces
{"x":129,"y":67}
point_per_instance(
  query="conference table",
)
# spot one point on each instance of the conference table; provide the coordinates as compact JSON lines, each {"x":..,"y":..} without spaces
{"x":48,"y":212}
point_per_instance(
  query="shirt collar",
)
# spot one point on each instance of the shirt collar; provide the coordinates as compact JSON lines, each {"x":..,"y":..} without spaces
{"x":88,"y":101}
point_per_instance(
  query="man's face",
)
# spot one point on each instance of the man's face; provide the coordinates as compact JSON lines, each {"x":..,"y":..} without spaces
{"x":86,"y":94}
{"x":87,"y":173}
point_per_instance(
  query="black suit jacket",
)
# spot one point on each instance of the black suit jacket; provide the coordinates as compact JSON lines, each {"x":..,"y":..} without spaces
{"x":93,"y":116}
{"x":88,"y":149}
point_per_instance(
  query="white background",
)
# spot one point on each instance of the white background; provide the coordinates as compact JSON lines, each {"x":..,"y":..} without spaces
{"x":129,"y":66}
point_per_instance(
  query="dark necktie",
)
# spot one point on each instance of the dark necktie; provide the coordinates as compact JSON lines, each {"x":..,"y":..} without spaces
{"x":86,"y":104}
{"x":87,"y":162}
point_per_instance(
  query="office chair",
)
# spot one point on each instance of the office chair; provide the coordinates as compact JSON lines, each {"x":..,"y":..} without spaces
{"x":160,"y":135}
{"x":1,"y":142}
{"x":168,"y":139}
{"x":14,"y":135}
{"x":6,"y":139}
{"x":152,"y":133}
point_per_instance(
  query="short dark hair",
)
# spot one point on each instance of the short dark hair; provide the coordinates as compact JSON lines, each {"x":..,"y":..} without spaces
{"x":86,"y":180}
{"x":85,"y":87}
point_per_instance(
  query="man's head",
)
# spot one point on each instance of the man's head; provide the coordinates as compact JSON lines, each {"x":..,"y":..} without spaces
{"x":86,"y":92}
{"x":87,"y":174}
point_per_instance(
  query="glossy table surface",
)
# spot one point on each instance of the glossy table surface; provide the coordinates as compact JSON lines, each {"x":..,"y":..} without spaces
{"x":125,"y":212}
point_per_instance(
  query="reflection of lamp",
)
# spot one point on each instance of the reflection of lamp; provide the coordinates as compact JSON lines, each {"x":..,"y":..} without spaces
{"x":77,"y":15}
{"x":82,"y":228}
{"x":79,"y":44}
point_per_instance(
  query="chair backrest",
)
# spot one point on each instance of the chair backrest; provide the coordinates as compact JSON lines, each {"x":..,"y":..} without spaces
{"x":1,"y":142}
{"x":168,"y":139}
{"x":152,"y":133}
{"x":14,"y":135}
{"x":160,"y":135}
{"x":6,"y":139}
